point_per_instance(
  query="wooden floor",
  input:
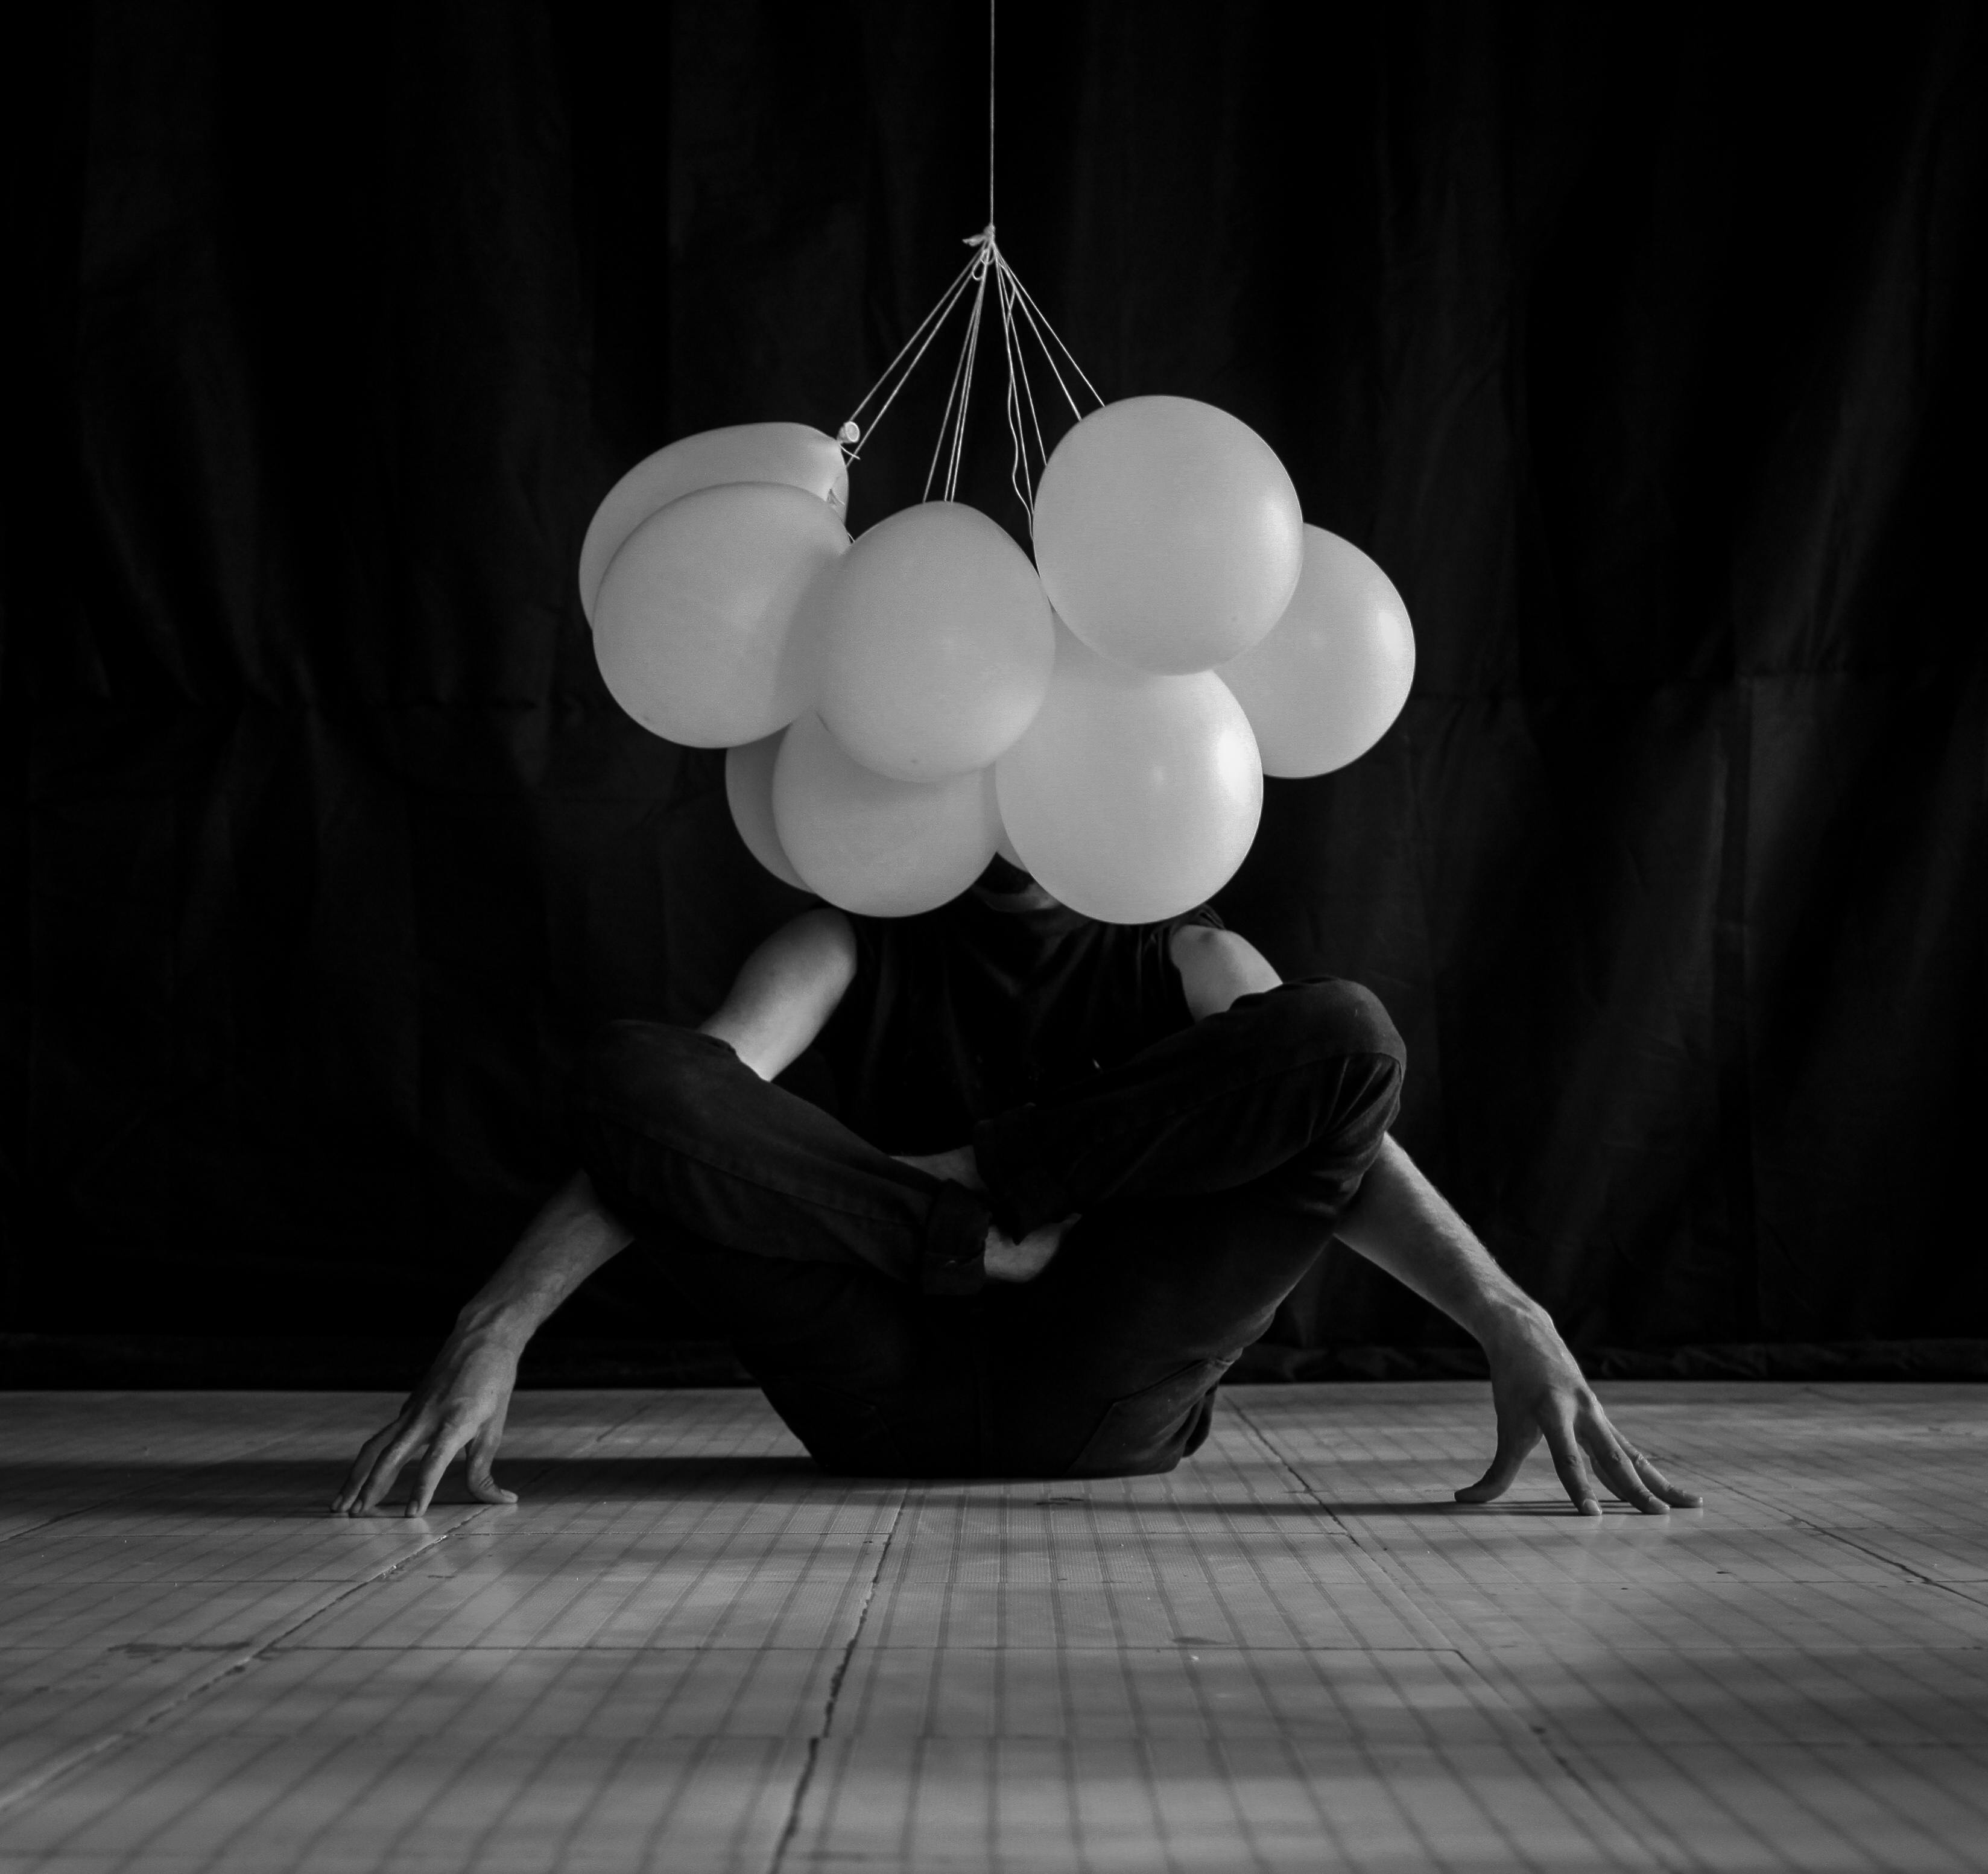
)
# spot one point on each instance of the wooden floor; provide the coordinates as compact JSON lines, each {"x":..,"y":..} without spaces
{"x":686,"y":1650}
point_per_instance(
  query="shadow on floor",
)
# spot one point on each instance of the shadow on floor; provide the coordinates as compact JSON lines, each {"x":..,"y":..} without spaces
{"x":264,"y":1487}
{"x":302,"y":1487}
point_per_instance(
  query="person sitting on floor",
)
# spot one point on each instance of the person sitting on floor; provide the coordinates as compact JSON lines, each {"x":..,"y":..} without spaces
{"x":1078,"y":1166}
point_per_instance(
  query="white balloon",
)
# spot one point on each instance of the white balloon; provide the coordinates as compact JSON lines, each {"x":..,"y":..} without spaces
{"x":748,"y":792}
{"x":790,"y":452}
{"x":1132,"y":797}
{"x":693,"y":629}
{"x":880,"y":847}
{"x":936,"y":643}
{"x":1168,"y":534}
{"x":1326,"y":683}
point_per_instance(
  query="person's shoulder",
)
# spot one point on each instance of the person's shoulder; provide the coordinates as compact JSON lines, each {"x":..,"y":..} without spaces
{"x":1189,"y":927}
{"x":822,"y":924}
{"x":1217,"y":965}
{"x":1185,"y":939}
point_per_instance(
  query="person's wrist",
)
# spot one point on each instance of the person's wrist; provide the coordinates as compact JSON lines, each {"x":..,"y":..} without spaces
{"x":500,"y":1326}
{"x":1506,"y":1321}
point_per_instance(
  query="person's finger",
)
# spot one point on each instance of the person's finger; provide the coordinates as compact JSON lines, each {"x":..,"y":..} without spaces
{"x":440,"y":1455}
{"x":362,"y":1466}
{"x":482,"y":1454}
{"x":387,"y":1466}
{"x":1678,"y":1498}
{"x":1515,"y":1444}
{"x":355,"y":1477}
{"x":1613,"y":1461}
{"x":1571,"y":1466}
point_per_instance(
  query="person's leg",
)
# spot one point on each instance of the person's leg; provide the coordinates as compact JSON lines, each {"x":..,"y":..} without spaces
{"x":826,"y":1262}
{"x":1213,"y":1108}
{"x":673,"y":1127}
{"x":1210,"y":1171}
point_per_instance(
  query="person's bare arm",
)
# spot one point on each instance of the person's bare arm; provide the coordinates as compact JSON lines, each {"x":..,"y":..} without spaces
{"x":1216,"y":967}
{"x":787,"y":989}
{"x":1400,"y":1221}
{"x":782,"y":997}
{"x":462,"y":1399}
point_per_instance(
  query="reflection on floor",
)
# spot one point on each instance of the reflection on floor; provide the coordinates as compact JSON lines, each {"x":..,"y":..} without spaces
{"x":686,"y":1650}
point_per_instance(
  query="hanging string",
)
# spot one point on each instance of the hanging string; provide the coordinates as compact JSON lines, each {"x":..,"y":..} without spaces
{"x":990,"y":116}
{"x":1019,"y":390}
{"x":1021,"y":319}
{"x":851,"y":433}
{"x":954,"y":416}
{"x":1039,"y":321}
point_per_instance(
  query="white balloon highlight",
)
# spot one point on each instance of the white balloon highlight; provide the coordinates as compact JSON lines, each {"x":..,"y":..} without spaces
{"x":876,"y":846}
{"x":1168,"y":534}
{"x":748,"y":792}
{"x":936,"y":643}
{"x":1132,"y":797}
{"x":788,"y":453}
{"x":694,"y":629}
{"x":1326,"y":683}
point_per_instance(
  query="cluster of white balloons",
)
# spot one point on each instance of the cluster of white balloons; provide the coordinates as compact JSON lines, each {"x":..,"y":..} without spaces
{"x":899,"y":709}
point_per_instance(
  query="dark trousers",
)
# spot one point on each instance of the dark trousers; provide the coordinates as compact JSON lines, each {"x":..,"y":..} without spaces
{"x":1208,"y":1171}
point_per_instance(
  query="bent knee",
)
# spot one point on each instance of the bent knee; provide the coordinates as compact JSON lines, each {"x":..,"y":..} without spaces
{"x":1344,"y":1018}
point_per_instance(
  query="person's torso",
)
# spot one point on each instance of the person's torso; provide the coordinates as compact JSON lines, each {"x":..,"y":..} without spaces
{"x":974,"y":1008}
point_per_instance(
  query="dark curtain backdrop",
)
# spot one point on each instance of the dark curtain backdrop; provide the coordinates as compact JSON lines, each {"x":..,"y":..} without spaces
{"x":1643,"y":349}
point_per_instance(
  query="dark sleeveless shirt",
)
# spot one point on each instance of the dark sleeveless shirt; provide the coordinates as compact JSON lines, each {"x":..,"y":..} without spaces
{"x":972,"y":1009}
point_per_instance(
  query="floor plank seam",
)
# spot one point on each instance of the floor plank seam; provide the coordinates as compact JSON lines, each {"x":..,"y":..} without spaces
{"x":97,"y":1504}
{"x":238,"y":1660}
{"x":1796,"y":1520}
{"x":1592,"y":1779}
{"x":1527,"y":1720}
{"x":61,"y":1516}
{"x":1307,"y":1488}
{"x":791,"y":1827}
{"x":669,"y":1656}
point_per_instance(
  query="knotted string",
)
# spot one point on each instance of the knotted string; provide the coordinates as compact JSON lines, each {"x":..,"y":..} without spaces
{"x":1021,"y":319}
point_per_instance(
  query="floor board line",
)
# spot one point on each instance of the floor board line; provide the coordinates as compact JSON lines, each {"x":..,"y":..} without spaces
{"x":791,"y":1827}
{"x":1524,"y":1719}
{"x":688,"y":1649}
{"x":1838,"y":1538}
{"x":239,"y":1660}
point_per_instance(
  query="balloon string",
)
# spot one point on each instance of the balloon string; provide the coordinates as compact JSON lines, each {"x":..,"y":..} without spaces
{"x":990,"y":115}
{"x":966,"y":388}
{"x":945,"y":419}
{"x":1019,"y":389}
{"x":953,"y":417}
{"x":1039,"y":321}
{"x":851,"y":435}
{"x":1021,"y":319}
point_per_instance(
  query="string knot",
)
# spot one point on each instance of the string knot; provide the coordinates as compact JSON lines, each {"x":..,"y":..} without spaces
{"x":1018,"y":314}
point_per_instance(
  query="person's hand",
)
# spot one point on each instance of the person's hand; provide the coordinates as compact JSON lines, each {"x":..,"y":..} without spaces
{"x":461,"y":1403}
{"x":1539,"y":1392}
{"x":1008,"y":1259}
